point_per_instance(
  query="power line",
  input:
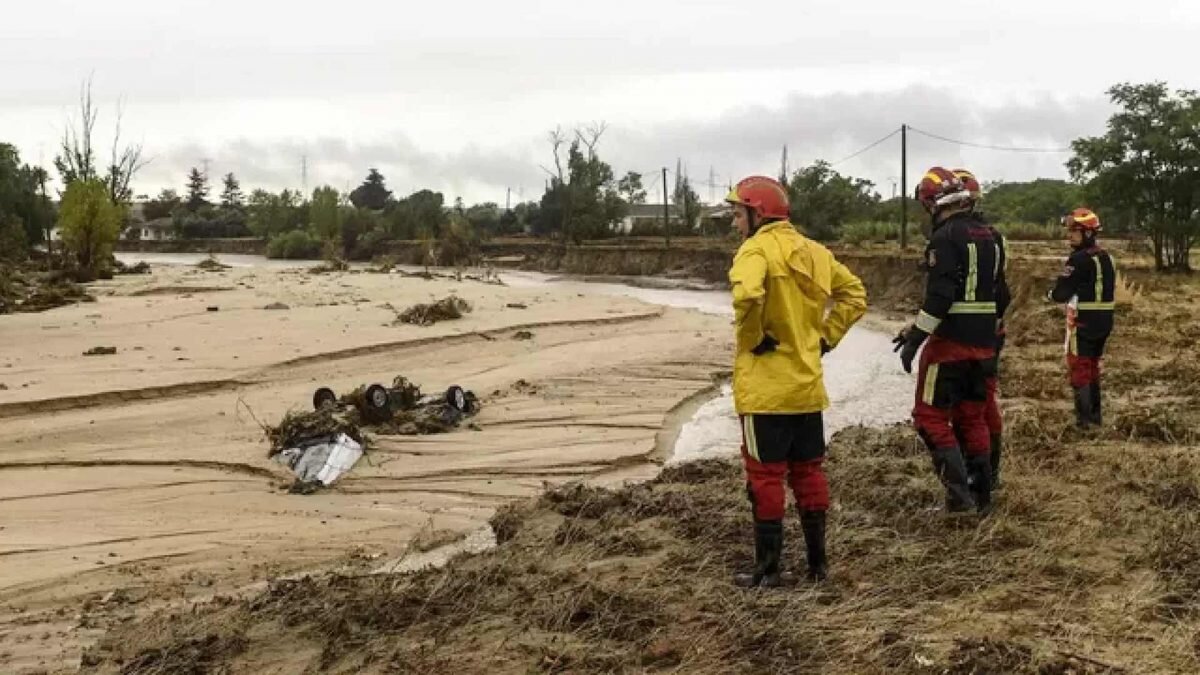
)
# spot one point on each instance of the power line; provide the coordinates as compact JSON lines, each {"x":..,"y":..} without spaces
{"x":869,"y":147}
{"x":985,"y":146}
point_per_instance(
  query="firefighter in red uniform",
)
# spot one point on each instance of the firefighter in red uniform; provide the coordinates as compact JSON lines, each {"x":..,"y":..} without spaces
{"x":995,"y":422}
{"x":1087,"y":285}
{"x":964,"y":295}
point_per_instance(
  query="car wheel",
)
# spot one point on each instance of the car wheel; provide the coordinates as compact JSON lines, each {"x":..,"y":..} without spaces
{"x":323,"y":397}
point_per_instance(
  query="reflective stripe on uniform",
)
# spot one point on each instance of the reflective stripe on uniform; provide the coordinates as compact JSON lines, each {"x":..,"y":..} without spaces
{"x":931,"y":374}
{"x":996,"y":265}
{"x":973,"y":308}
{"x":1097,"y":306}
{"x":927,"y":322}
{"x":1099,"y":278}
{"x":748,"y":434}
{"x":972,"y":271}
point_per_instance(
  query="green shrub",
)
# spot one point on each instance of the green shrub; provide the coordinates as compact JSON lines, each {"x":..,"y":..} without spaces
{"x":294,"y":245}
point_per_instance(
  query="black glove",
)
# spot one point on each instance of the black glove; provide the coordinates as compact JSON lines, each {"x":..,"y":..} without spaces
{"x":825,"y":348}
{"x":768,"y":344}
{"x":907,"y":343}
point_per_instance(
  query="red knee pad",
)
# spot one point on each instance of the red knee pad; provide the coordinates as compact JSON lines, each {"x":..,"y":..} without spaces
{"x":809,"y":485}
{"x":764,"y":482}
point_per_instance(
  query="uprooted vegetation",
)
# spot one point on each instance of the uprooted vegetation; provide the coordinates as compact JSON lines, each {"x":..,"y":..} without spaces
{"x":1090,"y":563}
{"x":26,"y":288}
{"x":426,"y":314}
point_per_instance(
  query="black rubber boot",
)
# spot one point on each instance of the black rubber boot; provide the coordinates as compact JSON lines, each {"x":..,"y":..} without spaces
{"x":997,"y":446}
{"x":1097,"y":418}
{"x":768,"y":551}
{"x":1083,"y":407}
{"x":813,"y":524}
{"x":952,"y":471}
{"x":979,"y":467}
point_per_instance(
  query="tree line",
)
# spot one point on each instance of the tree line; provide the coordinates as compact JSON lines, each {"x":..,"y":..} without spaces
{"x":1142,"y":174}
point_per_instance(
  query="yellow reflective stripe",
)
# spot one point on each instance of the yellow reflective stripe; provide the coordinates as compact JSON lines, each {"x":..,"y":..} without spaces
{"x":996,"y":264}
{"x":927,"y":322}
{"x":931,"y":374}
{"x":972,"y":271}
{"x":1096,"y":305}
{"x":751,"y":441}
{"x":973,"y":308}
{"x":1099,"y":279}
{"x":1074,"y":346}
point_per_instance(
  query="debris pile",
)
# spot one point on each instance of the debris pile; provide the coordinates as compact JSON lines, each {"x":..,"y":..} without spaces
{"x":211,"y":264}
{"x":142,"y":267}
{"x":448,"y":308}
{"x":322,"y":444}
{"x":25,"y":289}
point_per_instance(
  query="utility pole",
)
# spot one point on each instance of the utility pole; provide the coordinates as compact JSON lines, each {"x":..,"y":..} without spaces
{"x":666,"y":210}
{"x":507,"y":199}
{"x":903,"y":186}
{"x":712,"y":185}
{"x":304,"y":173}
{"x":783,"y":167}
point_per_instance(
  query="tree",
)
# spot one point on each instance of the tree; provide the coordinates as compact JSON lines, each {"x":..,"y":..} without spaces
{"x":1146,"y":168}
{"x":231,"y":193}
{"x":197,"y":190}
{"x":484,"y":218}
{"x":271,"y":214}
{"x":583,"y":201}
{"x":325,"y":212}
{"x":26,"y":215}
{"x":372,"y":194}
{"x":687,"y":202}
{"x":822,"y":200}
{"x":90,"y":222}
{"x":1040,"y":201}
{"x":630,"y":188}
{"x":77,"y":155}
{"x":421,"y":212}
{"x":162,"y":206}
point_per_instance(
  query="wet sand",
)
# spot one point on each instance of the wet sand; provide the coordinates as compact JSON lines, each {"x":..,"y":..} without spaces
{"x":141,"y":478}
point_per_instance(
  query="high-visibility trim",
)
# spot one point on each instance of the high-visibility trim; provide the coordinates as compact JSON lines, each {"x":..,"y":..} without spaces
{"x":931,"y":375}
{"x":996,"y":264}
{"x":973,"y":308}
{"x":1072,"y":343}
{"x":972,"y":271}
{"x":1095,"y":306}
{"x":751,"y":439}
{"x":927,"y":322}
{"x":1099,"y":278}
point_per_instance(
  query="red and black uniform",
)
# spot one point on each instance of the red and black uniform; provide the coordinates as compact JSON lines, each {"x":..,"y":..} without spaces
{"x":965,"y":294}
{"x":991,"y":413}
{"x":1087,"y":285}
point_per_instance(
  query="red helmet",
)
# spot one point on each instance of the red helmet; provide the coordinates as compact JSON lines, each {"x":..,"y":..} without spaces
{"x":1084,"y":220}
{"x":970,"y":182}
{"x":940,"y":188}
{"x":766,"y":196}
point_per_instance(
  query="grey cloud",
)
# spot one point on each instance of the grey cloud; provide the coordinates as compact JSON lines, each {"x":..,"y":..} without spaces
{"x":739,"y":142}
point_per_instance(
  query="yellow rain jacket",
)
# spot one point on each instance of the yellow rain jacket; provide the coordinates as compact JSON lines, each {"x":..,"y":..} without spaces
{"x":782,"y":283}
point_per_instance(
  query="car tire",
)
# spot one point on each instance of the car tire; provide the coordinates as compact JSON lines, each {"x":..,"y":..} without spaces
{"x":322,"y":397}
{"x":456,"y":397}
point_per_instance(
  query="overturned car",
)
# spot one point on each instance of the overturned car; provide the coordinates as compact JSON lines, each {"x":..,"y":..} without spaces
{"x":377,"y":404}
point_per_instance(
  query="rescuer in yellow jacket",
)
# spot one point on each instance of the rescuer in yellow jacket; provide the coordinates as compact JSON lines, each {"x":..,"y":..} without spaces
{"x":792,"y":302}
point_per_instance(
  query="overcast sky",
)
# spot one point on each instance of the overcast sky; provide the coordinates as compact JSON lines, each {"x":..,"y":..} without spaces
{"x":459,"y":96}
